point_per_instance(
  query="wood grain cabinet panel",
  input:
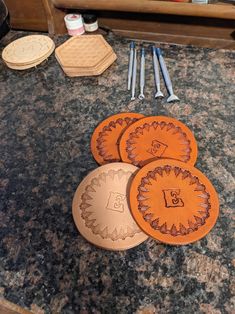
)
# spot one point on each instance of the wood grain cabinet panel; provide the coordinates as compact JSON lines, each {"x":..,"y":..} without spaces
{"x":27,"y":14}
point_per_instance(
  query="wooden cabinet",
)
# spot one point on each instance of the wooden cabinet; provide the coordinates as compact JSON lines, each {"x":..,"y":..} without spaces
{"x":27,"y":14}
{"x":219,"y":10}
{"x":208,"y":25}
{"x":36,"y":15}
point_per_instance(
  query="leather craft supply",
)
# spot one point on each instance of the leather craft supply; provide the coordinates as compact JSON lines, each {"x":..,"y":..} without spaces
{"x":157,"y":137}
{"x":85,"y":55}
{"x":90,"y":22}
{"x":28,"y":51}
{"x":105,"y":139}
{"x":87,"y":72}
{"x":28,"y":66}
{"x":100,"y":208}
{"x":74,"y":24}
{"x":173,"y":202}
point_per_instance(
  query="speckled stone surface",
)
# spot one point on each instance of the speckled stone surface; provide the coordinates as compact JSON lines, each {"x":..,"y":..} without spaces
{"x":46,"y":122}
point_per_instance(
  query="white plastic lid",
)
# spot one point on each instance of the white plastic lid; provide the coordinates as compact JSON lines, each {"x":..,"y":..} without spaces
{"x":73,"y":21}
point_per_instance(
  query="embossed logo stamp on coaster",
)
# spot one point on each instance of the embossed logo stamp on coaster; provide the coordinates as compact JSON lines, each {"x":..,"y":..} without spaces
{"x":100,"y":209}
{"x":173,"y":202}
{"x":157,"y":137}
{"x":105,"y":139}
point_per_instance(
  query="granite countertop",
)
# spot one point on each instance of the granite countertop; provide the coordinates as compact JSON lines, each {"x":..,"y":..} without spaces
{"x":46,"y":122}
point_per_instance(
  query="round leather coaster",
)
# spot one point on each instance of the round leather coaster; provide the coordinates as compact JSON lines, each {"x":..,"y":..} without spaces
{"x":173,"y":202}
{"x":100,"y":209}
{"x":27,"y":50}
{"x":157,"y":137}
{"x":105,"y":139}
{"x":31,"y":65}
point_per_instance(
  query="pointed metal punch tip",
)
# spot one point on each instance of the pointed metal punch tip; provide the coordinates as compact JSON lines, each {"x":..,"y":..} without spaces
{"x":172,"y":98}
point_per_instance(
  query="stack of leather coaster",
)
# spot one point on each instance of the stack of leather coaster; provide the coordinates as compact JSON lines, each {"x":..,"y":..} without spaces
{"x":85,"y":55}
{"x":147,"y":185}
{"x":27,"y":52}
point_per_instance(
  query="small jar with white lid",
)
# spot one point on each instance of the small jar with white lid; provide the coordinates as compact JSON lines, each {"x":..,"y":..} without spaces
{"x":90,"y":22}
{"x":74,"y":24}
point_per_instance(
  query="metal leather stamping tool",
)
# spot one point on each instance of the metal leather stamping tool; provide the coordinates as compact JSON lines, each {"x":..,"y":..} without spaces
{"x":166,"y":76}
{"x":142,"y":74}
{"x":158,"y":94}
{"x":134,"y":75}
{"x":130,"y":68}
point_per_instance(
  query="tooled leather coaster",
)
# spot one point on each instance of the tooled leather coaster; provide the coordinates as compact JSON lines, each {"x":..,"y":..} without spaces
{"x":28,"y":51}
{"x":157,"y":137}
{"x":105,"y":139}
{"x":100,"y":209}
{"x":173,"y":202}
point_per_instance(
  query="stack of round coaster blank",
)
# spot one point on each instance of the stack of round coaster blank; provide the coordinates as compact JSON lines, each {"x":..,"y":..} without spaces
{"x":28,"y":51}
{"x":85,"y":55}
{"x":147,"y":185}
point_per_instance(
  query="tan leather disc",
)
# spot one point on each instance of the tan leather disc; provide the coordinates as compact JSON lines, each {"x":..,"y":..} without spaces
{"x":27,"y":50}
{"x":157,"y":137}
{"x":100,"y":209}
{"x":105,"y":139}
{"x":173,"y":202}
